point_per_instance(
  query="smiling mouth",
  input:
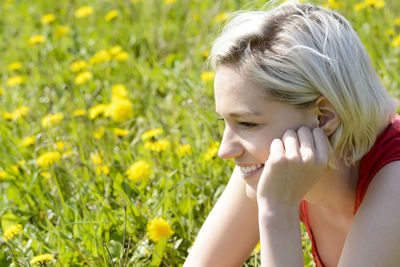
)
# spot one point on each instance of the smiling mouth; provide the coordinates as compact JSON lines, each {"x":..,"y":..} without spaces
{"x":248,"y":170}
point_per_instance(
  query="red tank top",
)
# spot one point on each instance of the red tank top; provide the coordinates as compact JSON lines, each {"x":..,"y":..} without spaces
{"x":385,"y":150}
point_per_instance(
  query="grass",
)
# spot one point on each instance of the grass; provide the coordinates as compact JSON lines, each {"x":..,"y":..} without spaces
{"x":71,"y":208}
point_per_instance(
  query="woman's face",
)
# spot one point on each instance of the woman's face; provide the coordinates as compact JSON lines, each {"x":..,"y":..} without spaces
{"x":252,"y":121}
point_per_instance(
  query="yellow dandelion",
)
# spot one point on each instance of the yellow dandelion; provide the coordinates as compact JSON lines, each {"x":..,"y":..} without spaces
{"x":48,"y":158}
{"x":42,"y":259}
{"x":96,"y":158}
{"x":12,"y":231}
{"x":46,"y":175}
{"x":15,"y":168}
{"x":184,"y":149}
{"x":100,"y":56}
{"x":97,"y":110}
{"x":84,"y":11}
{"x":15,"y":65}
{"x":151,"y":133}
{"x":48,"y":18}
{"x":62,"y":30}
{"x":121,"y":132}
{"x":3,"y":174}
{"x":206,"y":53}
{"x":1,"y":91}
{"x":378,"y":4}
{"x":17,"y":113}
{"x":389,"y":32}
{"x":221,"y":17}
{"x":119,"y":91}
{"x":334,"y":4}
{"x":122,"y":56}
{"x":196,"y":17}
{"x":157,"y":146}
{"x":168,"y":2}
{"x":60,"y":145}
{"x":99,"y":132}
{"x":138,"y":171}
{"x":111,"y":15}
{"x":52,"y":119}
{"x":158,"y":228}
{"x":83,"y":77}
{"x":102,"y":170}
{"x":37,"y":39}
{"x":22,"y":163}
{"x":79,"y":113}
{"x":115,"y":50}
{"x":359,"y":6}
{"x":207,"y":76}
{"x":14,"y":81}
{"x":397,"y":21}
{"x":396,"y":41}
{"x":120,"y":110}
{"x":78,"y":65}
{"x":211,"y":151}
{"x":28,"y":141}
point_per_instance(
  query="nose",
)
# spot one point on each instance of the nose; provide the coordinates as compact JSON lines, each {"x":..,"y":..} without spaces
{"x":230,"y":145}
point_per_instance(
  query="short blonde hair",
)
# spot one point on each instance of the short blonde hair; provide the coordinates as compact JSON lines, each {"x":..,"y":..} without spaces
{"x":299,"y":52}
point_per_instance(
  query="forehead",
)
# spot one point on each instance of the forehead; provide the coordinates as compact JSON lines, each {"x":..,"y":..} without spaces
{"x":233,"y":89}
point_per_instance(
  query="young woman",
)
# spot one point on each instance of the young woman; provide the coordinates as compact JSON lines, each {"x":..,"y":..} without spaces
{"x":314,"y":136}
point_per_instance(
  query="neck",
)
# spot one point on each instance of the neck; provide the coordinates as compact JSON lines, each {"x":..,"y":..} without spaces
{"x":336,"y":190}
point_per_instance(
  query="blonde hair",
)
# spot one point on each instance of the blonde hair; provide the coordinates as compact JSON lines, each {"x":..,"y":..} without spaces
{"x":299,"y":52}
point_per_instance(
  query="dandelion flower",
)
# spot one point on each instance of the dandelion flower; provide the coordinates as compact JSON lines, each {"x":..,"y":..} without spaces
{"x":99,"y":132}
{"x":28,"y":141}
{"x":100,"y":56}
{"x":119,"y":91}
{"x":1,"y":91}
{"x":78,"y":65}
{"x":60,"y":145}
{"x":11,"y":231}
{"x":122,"y":56}
{"x":158,"y":146}
{"x":102,"y":170}
{"x":115,"y":50}
{"x":62,"y":30}
{"x":168,"y":2}
{"x":221,"y":17}
{"x":359,"y":6}
{"x":83,"y":77}
{"x":158,"y":228}
{"x":15,"y":65}
{"x":378,"y":4}
{"x":42,"y":258}
{"x":334,"y":4}
{"x":184,"y":149}
{"x":151,"y":133}
{"x":389,"y":32}
{"x":79,"y":112}
{"x":3,"y":174}
{"x":206,"y":53}
{"x":46,"y":175}
{"x":111,"y":15}
{"x":14,"y":81}
{"x":52,"y":119}
{"x":211,"y":151}
{"x":120,"y":110}
{"x":396,"y":41}
{"x":96,"y":158}
{"x":138,"y":171}
{"x":84,"y":11}
{"x":120,"y":132}
{"x":97,"y":110}
{"x":17,"y":113}
{"x":48,"y":158}
{"x":48,"y":18}
{"x":207,"y":76}
{"x":397,"y":21}
{"x":37,"y":39}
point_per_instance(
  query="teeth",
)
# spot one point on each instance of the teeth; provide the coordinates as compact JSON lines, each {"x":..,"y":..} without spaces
{"x":249,"y":169}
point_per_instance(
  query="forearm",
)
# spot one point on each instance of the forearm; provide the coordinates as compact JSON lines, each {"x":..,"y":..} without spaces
{"x":280,"y":237}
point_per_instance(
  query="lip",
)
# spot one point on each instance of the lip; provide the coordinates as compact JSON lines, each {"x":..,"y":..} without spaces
{"x":252,"y":173}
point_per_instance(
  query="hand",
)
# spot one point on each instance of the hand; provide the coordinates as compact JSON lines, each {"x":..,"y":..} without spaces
{"x":295,"y":164}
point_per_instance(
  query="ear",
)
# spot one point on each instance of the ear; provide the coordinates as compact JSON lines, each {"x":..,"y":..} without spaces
{"x":327,"y":116}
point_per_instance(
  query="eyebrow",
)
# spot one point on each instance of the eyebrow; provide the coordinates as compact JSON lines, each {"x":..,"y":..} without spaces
{"x":243,"y":114}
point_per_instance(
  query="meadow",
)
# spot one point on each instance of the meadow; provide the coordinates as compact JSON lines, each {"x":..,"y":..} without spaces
{"x":107,"y":125}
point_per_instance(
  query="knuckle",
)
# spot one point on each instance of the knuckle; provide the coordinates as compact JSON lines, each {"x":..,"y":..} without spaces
{"x":303,"y":130}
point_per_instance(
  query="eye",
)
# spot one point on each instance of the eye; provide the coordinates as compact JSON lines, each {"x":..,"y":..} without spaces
{"x":247,"y":124}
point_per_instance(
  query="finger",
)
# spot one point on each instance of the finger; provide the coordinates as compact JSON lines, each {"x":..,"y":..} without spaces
{"x":291,"y":144}
{"x":306,"y":142}
{"x":322,"y":146}
{"x":276,"y":150}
